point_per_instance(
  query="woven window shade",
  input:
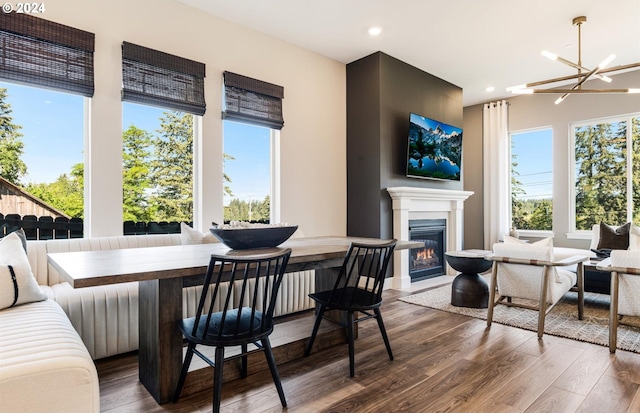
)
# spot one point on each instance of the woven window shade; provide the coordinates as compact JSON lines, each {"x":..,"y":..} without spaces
{"x":252,"y":101}
{"x":36,"y":51}
{"x":160,"y":79}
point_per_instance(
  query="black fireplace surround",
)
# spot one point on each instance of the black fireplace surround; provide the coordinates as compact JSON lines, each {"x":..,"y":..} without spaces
{"x":427,"y":262}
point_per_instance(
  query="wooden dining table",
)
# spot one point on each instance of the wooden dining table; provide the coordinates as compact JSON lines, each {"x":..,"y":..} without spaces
{"x":162,"y":272}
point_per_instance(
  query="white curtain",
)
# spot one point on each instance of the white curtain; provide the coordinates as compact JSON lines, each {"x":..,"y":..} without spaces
{"x":496,"y":162}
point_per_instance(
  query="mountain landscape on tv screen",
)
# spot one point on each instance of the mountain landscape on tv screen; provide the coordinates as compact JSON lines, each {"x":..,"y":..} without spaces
{"x":435,"y":149}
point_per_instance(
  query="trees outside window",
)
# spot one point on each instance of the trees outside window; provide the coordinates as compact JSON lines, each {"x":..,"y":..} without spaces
{"x":157,"y":164}
{"x":12,"y":167}
{"x":136,"y":177}
{"x":607,"y":173}
{"x":531,"y":180}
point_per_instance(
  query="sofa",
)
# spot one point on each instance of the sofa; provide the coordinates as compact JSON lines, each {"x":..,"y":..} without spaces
{"x":603,"y":237}
{"x":44,"y":365}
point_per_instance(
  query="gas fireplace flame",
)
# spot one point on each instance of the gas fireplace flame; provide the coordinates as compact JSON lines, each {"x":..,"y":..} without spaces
{"x":425,"y":258}
{"x":425,"y":253}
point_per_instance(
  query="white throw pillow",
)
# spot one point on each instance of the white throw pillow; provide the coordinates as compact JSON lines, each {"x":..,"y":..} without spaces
{"x":17,"y":286}
{"x":595,"y":237}
{"x":189,"y":236}
{"x":634,"y":238}
{"x":545,"y":242}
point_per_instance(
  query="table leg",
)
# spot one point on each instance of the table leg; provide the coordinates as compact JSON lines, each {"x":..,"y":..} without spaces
{"x":160,"y":353}
{"x":469,"y":290}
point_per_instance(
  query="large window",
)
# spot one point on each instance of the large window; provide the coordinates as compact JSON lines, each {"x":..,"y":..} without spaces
{"x":158,"y":143}
{"x":532,"y":180}
{"x":48,"y":70}
{"x":41,"y":150}
{"x":247,"y":172}
{"x":607,"y":171}
{"x":252,"y":121}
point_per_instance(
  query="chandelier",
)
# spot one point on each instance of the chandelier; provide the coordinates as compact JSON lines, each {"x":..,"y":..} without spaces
{"x":583,"y":74}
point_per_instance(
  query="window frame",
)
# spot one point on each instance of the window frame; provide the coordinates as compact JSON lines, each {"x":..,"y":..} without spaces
{"x":274,"y":168}
{"x":531,"y":232}
{"x":196,"y":164}
{"x":575,"y":233}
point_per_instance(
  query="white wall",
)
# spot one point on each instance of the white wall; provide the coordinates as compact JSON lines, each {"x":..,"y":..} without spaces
{"x":313,"y":140}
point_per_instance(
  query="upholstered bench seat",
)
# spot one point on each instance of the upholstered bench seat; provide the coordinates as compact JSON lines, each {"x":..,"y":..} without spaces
{"x":44,"y":365}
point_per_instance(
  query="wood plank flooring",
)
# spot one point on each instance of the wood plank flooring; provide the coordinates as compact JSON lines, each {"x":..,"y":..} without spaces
{"x":442,"y":363}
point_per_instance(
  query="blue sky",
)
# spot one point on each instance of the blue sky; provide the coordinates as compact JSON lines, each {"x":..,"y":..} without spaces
{"x":52,"y":125}
{"x":533,"y":151}
{"x":250,"y":171}
{"x":53,"y":129}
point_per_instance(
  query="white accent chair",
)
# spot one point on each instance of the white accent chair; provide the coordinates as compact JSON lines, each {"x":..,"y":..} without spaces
{"x":625,"y":284}
{"x":529,"y":272}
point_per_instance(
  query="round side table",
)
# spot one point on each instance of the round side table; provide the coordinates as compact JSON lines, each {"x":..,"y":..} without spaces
{"x":469,"y":289}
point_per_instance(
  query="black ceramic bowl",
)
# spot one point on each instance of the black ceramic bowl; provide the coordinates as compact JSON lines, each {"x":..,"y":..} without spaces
{"x":248,"y":238}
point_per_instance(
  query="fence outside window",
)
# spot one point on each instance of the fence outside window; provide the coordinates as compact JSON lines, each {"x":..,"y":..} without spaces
{"x":46,"y":227}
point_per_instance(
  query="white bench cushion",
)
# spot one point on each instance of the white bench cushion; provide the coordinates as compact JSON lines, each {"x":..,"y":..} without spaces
{"x":44,"y":366}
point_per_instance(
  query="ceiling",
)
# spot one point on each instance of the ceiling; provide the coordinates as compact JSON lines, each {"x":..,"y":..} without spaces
{"x":470,"y":43}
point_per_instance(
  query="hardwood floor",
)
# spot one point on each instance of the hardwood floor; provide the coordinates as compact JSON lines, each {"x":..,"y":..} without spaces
{"x":442,"y":363}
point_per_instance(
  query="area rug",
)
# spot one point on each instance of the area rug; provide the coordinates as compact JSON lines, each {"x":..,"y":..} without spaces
{"x":562,"y":321}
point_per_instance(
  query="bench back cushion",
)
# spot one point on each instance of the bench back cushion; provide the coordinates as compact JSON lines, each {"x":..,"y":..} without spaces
{"x":47,"y":275}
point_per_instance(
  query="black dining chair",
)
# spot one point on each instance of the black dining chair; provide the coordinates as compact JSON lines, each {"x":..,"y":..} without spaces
{"x":358,"y":289}
{"x":236,"y":309}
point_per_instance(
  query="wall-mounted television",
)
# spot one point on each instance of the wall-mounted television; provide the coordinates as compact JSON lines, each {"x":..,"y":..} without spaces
{"x":434,"y":149}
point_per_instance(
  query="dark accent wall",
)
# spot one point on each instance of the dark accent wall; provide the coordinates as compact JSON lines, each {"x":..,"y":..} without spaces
{"x":381,"y":93}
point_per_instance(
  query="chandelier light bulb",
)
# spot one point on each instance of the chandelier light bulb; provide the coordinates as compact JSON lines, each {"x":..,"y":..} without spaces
{"x":606,"y":61}
{"x":549,"y":55}
{"x":514,"y":88}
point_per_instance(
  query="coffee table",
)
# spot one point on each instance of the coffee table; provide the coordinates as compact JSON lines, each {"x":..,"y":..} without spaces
{"x":469,"y":289}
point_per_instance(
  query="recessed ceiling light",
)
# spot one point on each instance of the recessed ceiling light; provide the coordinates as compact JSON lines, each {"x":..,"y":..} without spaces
{"x":375,"y":31}
{"x":490,"y":88}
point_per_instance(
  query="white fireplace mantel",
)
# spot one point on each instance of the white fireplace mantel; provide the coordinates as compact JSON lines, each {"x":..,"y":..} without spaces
{"x":424,"y":203}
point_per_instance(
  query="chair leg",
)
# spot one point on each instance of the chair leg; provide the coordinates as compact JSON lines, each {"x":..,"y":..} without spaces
{"x":492,"y":293}
{"x":243,"y":361}
{"x":185,"y":370}
{"x":383,"y":331}
{"x":217,"y":379}
{"x":271,"y":361}
{"x":316,"y":325}
{"x":613,"y":313}
{"x":542,"y":310}
{"x":350,"y":339}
